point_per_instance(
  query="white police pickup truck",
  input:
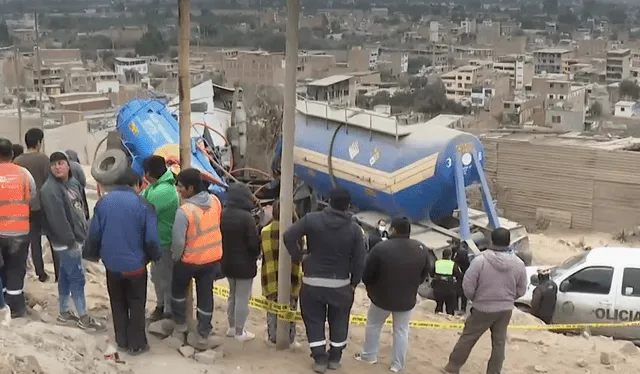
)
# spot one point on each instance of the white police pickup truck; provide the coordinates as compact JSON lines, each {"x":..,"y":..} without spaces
{"x":601,"y":285}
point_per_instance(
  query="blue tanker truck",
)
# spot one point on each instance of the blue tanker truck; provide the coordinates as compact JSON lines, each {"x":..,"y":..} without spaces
{"x":392,"y":166}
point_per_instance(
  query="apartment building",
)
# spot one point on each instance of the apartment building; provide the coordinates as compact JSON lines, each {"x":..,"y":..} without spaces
{"x":364,"y":58}
{"x":565,"y":104}
{"x":618,"y":65}
{"x":591,"y":47}
{"x":123,"y":64}
{"x":552,"y":60}
{"x":459,"y":82}
{"x":488,"y":33}
{"x":253,"y":68}
{"x":519,"y":70}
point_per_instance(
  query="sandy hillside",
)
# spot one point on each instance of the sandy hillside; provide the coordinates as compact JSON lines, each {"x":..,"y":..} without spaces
{"x":67,"y":350}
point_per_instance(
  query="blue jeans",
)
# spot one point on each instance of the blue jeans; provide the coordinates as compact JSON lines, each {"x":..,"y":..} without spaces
{"x":71,"y":281}
{"x":2,"y":303}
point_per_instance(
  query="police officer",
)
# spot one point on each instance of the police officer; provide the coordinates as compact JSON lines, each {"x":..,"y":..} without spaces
{"x":545,"y":295}
{"x":445,"y":283}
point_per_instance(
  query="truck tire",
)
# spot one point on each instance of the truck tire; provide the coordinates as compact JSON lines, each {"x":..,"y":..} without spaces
{"x":109,"y":166}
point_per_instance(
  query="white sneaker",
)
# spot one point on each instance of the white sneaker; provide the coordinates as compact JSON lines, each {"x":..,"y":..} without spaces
{"x":231,"y":332}
{"x":5,"y":316}
{"x":394,"y":370}
{"x":245,"y":337}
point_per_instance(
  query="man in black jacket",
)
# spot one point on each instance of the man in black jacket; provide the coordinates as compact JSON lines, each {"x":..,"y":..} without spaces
{"x":240,"y":251}
{"x":332,"y":269}
{"x":393,"y":271}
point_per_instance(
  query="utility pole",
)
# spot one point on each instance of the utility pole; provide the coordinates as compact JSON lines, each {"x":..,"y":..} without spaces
{"x":286,"y":178}
{"x":38,"y":62}
{"x":184,"y":92}
{"x":16,"y":66}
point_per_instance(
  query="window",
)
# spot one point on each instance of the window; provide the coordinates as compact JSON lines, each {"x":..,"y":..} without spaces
{"x":593,"y":280}
{"x":551,"y":85}
{"x":561,"y":97}
{"x":459,"y":85}
{"x":556,"y":119}
{"x":631,"y":282}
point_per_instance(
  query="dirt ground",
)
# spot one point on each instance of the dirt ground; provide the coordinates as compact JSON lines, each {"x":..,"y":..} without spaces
{"x":37,"y":345}
{"x":67,"y":350}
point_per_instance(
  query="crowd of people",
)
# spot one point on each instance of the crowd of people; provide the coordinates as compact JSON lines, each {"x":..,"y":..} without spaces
{"x":173,"y":223}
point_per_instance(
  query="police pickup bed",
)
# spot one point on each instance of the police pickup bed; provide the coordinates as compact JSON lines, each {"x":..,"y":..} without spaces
{"x":601,"y":285}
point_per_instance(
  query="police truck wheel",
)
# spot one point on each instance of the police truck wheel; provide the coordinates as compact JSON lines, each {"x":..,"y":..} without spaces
{"x":109,"y":166}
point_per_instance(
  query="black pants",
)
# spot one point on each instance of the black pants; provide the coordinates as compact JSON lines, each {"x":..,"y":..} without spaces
{"x":35,"y":239}
{"x":462,"y":299}
{"x":204,"y":276}
{"x":446,"y":296}
{"x":128,"y":296}
{"x":14,"y":251}
{"x":320,"y":305}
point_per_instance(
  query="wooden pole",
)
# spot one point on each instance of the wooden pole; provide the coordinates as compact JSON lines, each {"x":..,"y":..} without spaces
{"x":16,"y":66}
{"x":40,"y":88}
{"x":184,"y":92}
{"x":286,"y":177}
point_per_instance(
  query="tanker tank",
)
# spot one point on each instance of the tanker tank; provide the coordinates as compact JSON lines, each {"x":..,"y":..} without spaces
{"x":410,"y":174}
{"x":145,"y":128}
{"x":418,"y":170}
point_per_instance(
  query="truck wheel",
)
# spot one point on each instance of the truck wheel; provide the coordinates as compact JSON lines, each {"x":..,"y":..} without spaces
{"x":109,"y":166}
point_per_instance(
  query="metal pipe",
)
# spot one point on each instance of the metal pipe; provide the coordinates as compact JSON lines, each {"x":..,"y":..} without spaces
{"x":286,"y":185}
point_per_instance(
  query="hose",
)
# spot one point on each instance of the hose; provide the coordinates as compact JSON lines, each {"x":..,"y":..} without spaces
{"x":332,"y":177}
{"x":251,"y":169}
{"x":226,"y":141}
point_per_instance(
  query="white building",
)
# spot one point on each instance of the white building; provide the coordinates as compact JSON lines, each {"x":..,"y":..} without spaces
{"x":374,"y":54}
{"x":110,"y":86}
{"x":626,"y":109}
{"x":122,"y":64}
{"x":515,"y":67}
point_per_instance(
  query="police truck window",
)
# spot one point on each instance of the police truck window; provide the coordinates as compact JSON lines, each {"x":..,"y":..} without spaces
{"x":593,"y":280}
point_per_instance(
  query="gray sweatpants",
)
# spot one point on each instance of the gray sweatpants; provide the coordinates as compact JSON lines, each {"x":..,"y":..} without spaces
{"x":475,"y":326}
{"x":238,"y":303}
{"x":161,"y":273}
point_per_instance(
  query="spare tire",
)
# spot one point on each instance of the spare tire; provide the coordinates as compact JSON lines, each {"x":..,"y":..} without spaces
{"x":109,"y":166}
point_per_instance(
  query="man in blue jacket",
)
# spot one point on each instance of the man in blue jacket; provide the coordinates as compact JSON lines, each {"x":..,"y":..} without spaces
{"x":124,"y":235}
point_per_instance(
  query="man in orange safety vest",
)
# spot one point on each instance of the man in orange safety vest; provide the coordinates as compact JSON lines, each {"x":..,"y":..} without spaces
{"x":197,"y":250}
{"x":17,"y":193}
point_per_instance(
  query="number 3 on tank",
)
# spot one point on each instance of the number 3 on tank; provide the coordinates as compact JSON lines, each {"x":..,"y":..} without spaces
{"x":134,"y":128}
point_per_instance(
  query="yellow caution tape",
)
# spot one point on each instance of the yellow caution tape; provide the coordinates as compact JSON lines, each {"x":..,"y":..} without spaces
{"x":285,"y":313}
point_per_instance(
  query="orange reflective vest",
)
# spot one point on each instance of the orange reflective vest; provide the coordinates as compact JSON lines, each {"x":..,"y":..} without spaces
{"x":15,"y":199}
{"x":203,"y":244}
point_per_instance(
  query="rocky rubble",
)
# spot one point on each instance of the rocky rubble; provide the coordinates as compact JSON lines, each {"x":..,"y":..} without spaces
{"x":27,"y":347}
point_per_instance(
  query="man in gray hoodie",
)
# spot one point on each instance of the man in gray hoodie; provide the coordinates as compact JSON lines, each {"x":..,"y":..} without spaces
{"x":494,"y":281}
{"x":66,"y":225}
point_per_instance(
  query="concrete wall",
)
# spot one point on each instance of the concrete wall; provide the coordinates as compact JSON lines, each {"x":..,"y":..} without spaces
{"x":72,"y":136}
{"x":10,"y":129}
